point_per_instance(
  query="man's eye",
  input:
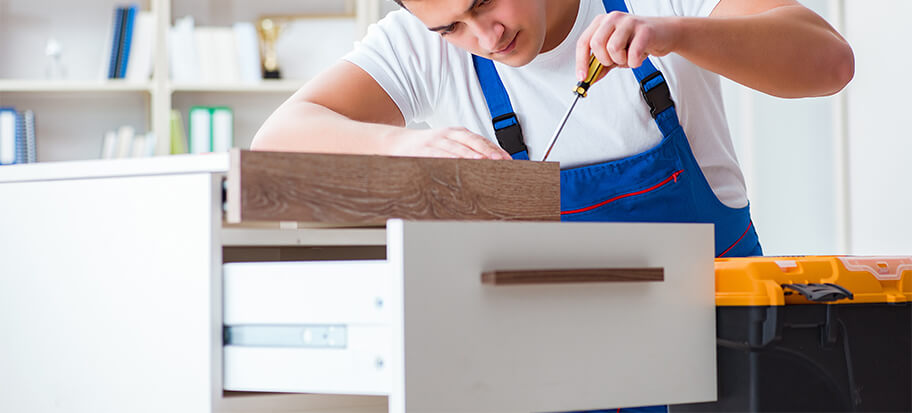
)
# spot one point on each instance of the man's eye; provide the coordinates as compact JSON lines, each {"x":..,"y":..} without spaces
{"x":483,"y":3}
{"x":448,"y":30}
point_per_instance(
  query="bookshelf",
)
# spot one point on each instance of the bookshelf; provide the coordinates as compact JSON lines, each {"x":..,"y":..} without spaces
{"x":74,"y":112}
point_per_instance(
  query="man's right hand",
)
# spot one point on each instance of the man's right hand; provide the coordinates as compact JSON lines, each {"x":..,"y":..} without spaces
{"x":444,"y":143}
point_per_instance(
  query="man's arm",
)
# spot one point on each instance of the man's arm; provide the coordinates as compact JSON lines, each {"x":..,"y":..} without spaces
{"x":775,"y":46}
{"x":344,"y":110}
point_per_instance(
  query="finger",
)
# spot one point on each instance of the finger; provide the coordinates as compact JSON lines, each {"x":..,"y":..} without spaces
{"x":583,"y":50}
{"x":617,"y":44}
{"x":458,"y":149}
{"x":599,"y":41}
{"x":479,"y":144}
{"x":636,"y":52}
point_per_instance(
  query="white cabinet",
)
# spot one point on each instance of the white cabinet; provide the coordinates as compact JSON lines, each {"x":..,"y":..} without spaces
{"x":121,"y":287}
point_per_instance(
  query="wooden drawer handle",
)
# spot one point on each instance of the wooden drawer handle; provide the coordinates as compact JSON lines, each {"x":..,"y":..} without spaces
{"x":583,"y":275}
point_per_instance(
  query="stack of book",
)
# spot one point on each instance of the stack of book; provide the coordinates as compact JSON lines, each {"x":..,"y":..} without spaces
{"x":17,"y":136}
{"x":211,"y":129}
{"x":126,"y":143}
{"x":131,"y":44}
{"x":214,"y":54}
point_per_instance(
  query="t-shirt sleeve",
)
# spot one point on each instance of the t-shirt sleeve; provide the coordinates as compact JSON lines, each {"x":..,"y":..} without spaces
{"x":405,"y":60}
{"x":694,"y":8}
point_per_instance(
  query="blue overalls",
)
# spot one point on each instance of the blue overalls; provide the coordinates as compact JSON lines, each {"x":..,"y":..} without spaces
{"x":663,"y":184}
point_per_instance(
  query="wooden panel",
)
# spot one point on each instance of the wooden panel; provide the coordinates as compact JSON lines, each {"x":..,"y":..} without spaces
{"x":588,"y":275}
{"x":361,"y":190}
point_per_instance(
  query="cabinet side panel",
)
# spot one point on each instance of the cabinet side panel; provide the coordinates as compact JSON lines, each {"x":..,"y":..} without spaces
{"x":106,"y":295}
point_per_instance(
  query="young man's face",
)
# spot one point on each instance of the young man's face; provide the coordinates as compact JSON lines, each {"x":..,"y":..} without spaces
{"x":509,"y":31}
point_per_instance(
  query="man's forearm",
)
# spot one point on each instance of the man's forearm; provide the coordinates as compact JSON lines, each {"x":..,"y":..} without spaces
{"x":788,"y":51}
{"x":308,"y":127}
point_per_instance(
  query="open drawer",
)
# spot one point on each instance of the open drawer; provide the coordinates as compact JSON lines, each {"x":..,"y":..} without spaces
{"x":486,"y":316}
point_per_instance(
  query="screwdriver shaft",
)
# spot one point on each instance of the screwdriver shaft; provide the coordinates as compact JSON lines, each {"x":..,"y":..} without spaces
{"x":560,"y":127}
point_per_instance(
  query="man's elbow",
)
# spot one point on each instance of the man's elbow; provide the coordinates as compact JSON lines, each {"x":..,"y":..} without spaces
{"x":264,"y":140}
{"x":841,"y":69}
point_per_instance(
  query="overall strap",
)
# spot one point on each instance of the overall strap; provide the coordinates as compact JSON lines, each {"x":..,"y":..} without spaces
{"x":506,"y":124}
{"x":653,"y":86}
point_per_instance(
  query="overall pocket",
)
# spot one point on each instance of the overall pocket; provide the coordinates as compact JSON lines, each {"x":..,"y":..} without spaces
{"x":665,"y":200}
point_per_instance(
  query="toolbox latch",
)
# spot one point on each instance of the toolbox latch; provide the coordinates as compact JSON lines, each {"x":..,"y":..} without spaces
{"x":820,"y":293}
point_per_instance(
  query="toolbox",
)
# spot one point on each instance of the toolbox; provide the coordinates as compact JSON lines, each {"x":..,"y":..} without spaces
{"x":810,"y":333}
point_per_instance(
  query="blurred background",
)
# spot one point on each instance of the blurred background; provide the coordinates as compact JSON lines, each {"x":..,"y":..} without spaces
{"x":88,"y":79}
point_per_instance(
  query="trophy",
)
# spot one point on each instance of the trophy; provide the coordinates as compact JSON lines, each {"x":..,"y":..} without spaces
{"x":269,"y":30}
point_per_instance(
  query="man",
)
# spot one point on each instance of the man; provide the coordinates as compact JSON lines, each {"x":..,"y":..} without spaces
{"x":648,"y":144}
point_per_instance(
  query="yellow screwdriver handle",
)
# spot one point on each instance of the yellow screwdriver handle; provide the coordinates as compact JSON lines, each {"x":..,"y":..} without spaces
{"x":595,"y":68}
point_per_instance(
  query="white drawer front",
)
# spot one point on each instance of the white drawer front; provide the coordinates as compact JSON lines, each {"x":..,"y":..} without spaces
{"x":361,"y":367}
{"x":321,"y":292}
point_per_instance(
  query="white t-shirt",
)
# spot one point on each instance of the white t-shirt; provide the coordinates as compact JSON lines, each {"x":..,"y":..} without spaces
{"x":433,"y":81}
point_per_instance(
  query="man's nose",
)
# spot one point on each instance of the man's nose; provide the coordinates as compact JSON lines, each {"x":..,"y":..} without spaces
{"x":489,"y":33}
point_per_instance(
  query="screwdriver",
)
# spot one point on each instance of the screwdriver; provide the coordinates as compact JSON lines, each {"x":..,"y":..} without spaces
{"x":595,"y":68}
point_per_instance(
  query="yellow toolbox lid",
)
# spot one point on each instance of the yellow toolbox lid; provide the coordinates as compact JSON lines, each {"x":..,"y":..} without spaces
{"x":765,"y":281}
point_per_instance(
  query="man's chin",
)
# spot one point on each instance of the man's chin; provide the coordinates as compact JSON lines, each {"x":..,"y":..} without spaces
{"x":515,"y":60}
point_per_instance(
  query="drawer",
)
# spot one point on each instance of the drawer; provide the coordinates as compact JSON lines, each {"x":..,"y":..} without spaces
{"x":304,"y":293}
{"x":312,"y":327}
{"x":357,"y":365}
{"x":480,"y":316}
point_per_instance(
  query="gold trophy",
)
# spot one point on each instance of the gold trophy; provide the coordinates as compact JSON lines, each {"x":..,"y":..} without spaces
{"x":269,"y":30}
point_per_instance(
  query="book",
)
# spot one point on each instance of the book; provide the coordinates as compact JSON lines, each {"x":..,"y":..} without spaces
{"x":222,"y":129}
{"x":126,"y":40}
{"x":30,"y":140}
{"x":139,"y":67}
{"x":184,"y":64}
{"x":200,"y":139}
{"x":125,"y":137}
{"x":151,"y":144}
{"x":248,"y":52}
{"x":109,"y":145}
{"x":115,"y":41}
{"x":21,"y":148}
{"x":8,"y":128}
{"x":178,"y":137}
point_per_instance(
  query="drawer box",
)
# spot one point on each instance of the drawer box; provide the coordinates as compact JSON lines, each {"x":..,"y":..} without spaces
{"x":447,"y":338}
{"x":359,"y":366}
{"x":301,"y":293}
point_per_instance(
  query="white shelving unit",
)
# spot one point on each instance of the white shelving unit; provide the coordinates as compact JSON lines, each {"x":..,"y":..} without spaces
{"x":74,"y":113}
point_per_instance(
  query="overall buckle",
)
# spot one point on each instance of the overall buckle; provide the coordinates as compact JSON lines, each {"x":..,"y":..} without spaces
{"x":657,"y":96}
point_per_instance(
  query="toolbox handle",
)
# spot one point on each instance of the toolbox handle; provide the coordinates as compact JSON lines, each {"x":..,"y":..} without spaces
{"x":570,"y":276}
{"x":821,"y":293}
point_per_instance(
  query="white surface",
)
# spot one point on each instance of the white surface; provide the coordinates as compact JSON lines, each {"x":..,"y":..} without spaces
{"x":324,"y":292}
{"x":265,"y":86}
{"x":164,"y":165}
{"x":106,"y":297}
{"x":54,"y":86}
{"x":360,"y":368}
{"x":879,"y":144}
{"x":787,"y":149}
{"x":110,"y":292}
{"x":481,"y":348}
{"x":239,"y":236}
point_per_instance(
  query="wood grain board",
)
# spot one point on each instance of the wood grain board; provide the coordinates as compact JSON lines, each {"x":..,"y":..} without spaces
{"x":523,"y":277}
{"x":366,"y":190}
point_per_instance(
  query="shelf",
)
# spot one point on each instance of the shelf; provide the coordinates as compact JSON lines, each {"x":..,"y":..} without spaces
{"x":56,"y":86}
{"x":267,"y":86}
